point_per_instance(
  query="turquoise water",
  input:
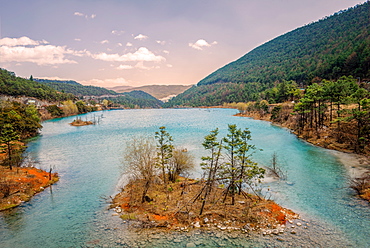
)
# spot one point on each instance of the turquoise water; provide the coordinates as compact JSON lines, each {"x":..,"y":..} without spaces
{"x":73,"y":213}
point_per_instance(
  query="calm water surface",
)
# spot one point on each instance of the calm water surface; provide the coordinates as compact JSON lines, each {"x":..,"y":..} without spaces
{"x":73,"y":213}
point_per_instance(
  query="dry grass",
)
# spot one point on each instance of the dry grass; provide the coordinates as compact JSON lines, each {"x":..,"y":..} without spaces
{"x":175,"y":207}
{"x":20,"y":184}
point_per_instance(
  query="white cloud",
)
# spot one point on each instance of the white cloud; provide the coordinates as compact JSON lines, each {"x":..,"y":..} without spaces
{"x":25,"y":49}
{"x":128,"y":44}
{"x":140,"y":65}
{"x":78,"y":14}
{"x":22,"y":41}
{"x":105,"y":82}
{"x":118,"y":32}
{"x":92,"y":16}
{"x":166,"y":52}
{"x":161,"y":42}
{"x":141,"y":37}
{"x":41,"y":55}
{"x":124,"y":67}
{"x":200,"y":44}
{"x":77,"y":39}
{"x":169,"y":65}
{"x":104,"y":42}
{"x":119,"y":44}
{"x":142,"y":54}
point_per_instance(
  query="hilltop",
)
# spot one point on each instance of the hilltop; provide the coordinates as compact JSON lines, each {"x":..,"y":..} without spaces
{"x":335,"y":46}
{"x":161,"y":92}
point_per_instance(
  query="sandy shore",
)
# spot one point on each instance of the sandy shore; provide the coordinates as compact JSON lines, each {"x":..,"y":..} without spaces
{"x":356,"y":164}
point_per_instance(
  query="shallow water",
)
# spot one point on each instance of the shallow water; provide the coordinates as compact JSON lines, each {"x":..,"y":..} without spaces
{"x":73,"y":213}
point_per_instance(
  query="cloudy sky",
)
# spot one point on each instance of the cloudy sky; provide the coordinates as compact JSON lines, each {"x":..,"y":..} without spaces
{"x":143,"y":42}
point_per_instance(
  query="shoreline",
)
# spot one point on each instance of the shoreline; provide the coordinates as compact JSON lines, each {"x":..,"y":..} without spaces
{"x":356,"y":164}
{"x":22,"y":183}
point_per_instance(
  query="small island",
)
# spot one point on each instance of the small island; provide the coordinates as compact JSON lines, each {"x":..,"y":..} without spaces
{"x":177,"y":208}
{"x":78,"y":122}
{"x":158,"y":195}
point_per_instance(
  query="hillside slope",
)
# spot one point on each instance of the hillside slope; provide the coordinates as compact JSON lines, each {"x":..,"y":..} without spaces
{"x":12,"y":85}
{"x":161,"y":92}
{"x":329,"y":48}
{"x":76,"y":88}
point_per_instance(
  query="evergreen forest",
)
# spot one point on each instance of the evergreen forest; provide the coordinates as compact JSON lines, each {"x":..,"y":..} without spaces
{"x":332,"y":47}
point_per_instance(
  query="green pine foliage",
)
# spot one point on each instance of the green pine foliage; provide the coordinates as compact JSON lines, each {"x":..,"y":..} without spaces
{"x":332,"y":47}
{"x":136,"y":99}
{"x":15,"y":86}
{"x":78,"y":89}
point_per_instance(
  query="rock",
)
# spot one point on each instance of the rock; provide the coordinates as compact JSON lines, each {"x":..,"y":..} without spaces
{"x":115,"y":214}
{"x":196,"y":224}
{"x":299,"y":224}
{"x":206,"y":220}
{"x":177,"y":240}
{"x":190,"y":245}
{"x":293,"y":232}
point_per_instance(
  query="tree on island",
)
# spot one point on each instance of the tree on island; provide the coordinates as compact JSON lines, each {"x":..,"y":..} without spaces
{"x":164,"y":154}
{"x":155,"y":168}
{"x":140,"y":161}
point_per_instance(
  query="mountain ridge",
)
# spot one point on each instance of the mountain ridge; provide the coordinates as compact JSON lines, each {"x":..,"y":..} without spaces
{"x":334,"y":46}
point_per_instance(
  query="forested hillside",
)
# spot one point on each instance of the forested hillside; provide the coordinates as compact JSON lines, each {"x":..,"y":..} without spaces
{"x":135,"y":99}
{"x":332,"y":47}
{"x":15,"y":86}
{"x":76,"y":88}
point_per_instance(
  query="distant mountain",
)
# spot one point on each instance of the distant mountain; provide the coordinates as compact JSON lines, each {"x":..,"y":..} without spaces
{"x":133,"y":99}
{"x":136,"y":98}
{"x":161,"y":92}
{"x":45,"y":81}
{"x":75,"y":88}
{"x":12,"y":85}
{"x":328,"y":49}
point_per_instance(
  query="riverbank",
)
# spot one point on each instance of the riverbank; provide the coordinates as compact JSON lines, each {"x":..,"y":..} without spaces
{"x":357,"y":165}
{"x":21,"y":183}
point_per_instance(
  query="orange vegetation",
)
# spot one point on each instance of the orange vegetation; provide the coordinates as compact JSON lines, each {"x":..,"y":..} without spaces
{"x":21,"y":183}
{"x":174,"y":206}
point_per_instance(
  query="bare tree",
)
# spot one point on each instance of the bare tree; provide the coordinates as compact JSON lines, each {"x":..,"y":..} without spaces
{"x":140,"y":161}
{"x":275,"y":168}
{"x":180,"y":162}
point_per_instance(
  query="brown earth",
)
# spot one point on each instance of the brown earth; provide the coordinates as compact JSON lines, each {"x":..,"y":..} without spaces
{"x":21,"y":183}
{"x":175,"y":208}
{"x":79,"y":123}
{"x":325,"y":138}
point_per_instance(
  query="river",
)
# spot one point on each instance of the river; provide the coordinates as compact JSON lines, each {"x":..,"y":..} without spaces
{"x":74,"y":212}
